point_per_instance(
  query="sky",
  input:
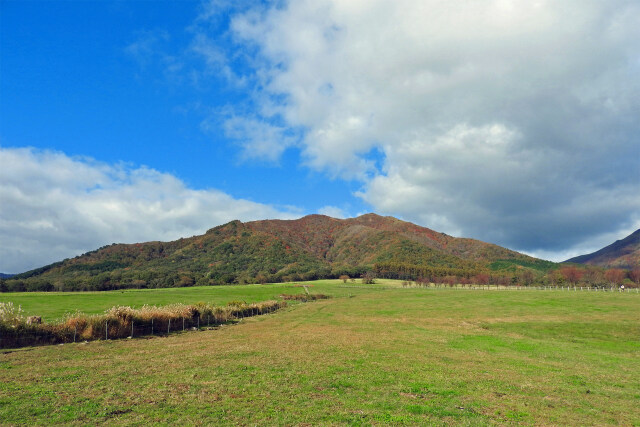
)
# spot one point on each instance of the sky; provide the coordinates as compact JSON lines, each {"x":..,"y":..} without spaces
{"x":512,"y":122}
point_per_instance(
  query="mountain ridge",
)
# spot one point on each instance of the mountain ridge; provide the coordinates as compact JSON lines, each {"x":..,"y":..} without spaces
{"x":306,"y":248}
{"x":623,"y":253}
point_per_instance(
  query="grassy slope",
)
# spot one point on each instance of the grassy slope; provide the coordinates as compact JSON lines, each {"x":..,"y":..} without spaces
{"x":385,"y":356}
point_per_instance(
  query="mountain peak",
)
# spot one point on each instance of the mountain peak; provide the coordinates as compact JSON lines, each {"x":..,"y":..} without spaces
{"x":301,"y":249}
{"x":371,"y":215}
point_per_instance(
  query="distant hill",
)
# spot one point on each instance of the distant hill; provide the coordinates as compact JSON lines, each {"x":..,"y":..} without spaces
{"x":311,"y":247}
{"x":623,"y":253}
{"x":6,"y":275}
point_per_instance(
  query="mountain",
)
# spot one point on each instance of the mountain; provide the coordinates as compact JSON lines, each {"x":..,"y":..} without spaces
{"x":6,"y":275}
{"x":623,"y":253}
{"x":280,"y":250}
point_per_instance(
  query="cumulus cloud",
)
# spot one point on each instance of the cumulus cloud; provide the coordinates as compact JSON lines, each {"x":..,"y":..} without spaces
{"x":512,"y":122}
{"x":55,"y":206}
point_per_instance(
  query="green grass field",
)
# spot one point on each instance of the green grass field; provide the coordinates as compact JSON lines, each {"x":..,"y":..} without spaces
{"x":54,"y":305}
{"x":366,"y":357}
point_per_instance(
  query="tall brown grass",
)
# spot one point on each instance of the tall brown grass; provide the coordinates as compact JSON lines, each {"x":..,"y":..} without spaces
{"x":122,"y":322}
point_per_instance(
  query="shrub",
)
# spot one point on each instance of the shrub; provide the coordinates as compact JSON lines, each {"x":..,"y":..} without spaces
{"x":368,"y":278}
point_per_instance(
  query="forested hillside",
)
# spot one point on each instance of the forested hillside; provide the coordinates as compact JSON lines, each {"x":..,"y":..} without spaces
{"x":311,"y":247}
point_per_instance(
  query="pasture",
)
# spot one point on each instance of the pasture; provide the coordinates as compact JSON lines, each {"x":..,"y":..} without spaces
{"x":54,"y":305}
{"x":368,"y":356}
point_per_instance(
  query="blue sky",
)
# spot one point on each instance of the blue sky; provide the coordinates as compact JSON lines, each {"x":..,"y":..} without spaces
{"x":73,"y":82}
{"x":510,"y":122}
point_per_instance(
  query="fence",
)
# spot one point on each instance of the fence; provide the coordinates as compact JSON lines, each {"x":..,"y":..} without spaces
{"x":414,"y":285}
{"x":124,"y":322}
{"x":522,"y":288}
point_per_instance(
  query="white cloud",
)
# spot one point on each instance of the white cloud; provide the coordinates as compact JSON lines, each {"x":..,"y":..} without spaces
{"x":146,"y":47}
{"x":258,"y":139}
{"x":150,"y":49}
{"x":215,"y":60}
{"x":512,"y":122}
{"x":54,"y":206}
{"x":333,"y":211}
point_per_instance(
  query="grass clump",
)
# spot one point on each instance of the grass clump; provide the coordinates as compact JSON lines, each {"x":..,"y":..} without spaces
{"x":10,"y":315}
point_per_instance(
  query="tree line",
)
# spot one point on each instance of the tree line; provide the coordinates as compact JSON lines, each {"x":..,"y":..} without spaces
{"x":564,"y":275}
{"x":96,"y":279}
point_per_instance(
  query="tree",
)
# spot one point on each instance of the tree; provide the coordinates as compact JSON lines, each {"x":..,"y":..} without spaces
{"x":614,"y":276}
{"x":571,"y":274}
{"x":481,"y":278}
{"x":526,"y":277}
{"x":368,"y":278}
{"x":423,"y":281}
{"x":553,"y":276}
{"x":592,"y":276}
{"x":344,"y":278}
{"x":634,"y":275}
{"x":186,"y":281}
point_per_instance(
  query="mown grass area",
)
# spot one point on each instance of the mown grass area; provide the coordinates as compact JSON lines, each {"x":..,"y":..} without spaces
{"x":54,"y":305}
{"x":393,"y":356}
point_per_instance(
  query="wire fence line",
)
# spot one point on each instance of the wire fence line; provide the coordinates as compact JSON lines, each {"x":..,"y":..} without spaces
{"x":136,"y":330}
{"x":501,"y":288}
{"x":116,"y":328}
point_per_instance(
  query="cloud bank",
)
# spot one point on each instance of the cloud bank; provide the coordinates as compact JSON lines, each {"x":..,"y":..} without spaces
{"x":511,"y":122}
{"x":55,"y":206}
